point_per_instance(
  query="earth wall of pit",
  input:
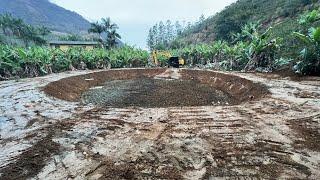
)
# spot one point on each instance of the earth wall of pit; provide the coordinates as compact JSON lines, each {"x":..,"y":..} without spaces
{"x":71,"y":88}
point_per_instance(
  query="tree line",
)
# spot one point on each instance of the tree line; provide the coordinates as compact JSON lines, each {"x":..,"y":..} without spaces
{"x":12,"y":27}
{"x":163,"y":35}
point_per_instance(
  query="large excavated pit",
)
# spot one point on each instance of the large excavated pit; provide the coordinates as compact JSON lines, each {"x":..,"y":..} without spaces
{"x":156,"y":88}
{"x":159,"y":124}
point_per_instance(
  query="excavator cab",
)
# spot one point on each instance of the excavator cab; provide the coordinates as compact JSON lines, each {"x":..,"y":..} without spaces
{"x":171,"y":61}
{"x":174,"y":62}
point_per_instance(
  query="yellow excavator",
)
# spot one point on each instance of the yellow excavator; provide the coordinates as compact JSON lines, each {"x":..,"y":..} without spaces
{"x":160,"y":57}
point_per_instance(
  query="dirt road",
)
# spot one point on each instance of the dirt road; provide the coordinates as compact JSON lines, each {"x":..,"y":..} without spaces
{"x":276,"y":136}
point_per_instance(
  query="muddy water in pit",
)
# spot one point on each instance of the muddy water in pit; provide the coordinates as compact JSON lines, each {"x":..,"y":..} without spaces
{"x":150,"y":93}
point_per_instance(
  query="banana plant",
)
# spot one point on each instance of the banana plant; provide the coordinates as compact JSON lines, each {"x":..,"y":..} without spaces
{"x":9,"y":62}
{"x":309,"y":60}
{"x":60,"y":62}
{"x":309,"y":17}
{"x":261,"y":50}
{"x":37,"y":61}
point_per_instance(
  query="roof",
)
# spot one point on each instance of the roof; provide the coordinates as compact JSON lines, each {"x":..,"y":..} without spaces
{"x":73,"y":43}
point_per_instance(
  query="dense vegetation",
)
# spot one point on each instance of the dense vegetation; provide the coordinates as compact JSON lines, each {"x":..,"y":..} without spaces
{"x":251,"y":49}
{"x":291,"y":44}
{"x":18,"y":62}
{"x":281,"y":14}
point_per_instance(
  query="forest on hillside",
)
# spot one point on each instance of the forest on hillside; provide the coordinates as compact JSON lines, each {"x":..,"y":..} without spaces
{"x":248,"y":36}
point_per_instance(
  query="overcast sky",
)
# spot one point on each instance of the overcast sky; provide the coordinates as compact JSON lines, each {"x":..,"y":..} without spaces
{"x":135,"y":17}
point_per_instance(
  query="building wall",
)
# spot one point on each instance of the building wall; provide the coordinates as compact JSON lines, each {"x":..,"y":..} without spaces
{"x":89,"y":47}
{"x":66,"y":47}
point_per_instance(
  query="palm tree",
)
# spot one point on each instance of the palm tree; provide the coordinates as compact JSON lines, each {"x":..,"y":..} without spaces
{"x":97,"y":28}
{"x":108,"y":25}
{"x":112,"y":38}
{"x":111,"y":30}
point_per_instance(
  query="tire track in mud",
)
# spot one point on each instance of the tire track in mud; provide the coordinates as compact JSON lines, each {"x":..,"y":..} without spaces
{"x":193,"y":142}
{"x":230,"y":148}
{"x":308,"y":129}
{"x":269,"y":139}
{"x":33,"y":159}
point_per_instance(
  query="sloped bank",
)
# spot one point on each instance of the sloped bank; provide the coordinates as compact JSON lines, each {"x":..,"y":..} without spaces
{"x":233,"y":88}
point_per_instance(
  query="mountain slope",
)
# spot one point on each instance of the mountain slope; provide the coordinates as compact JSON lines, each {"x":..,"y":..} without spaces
{"x":268,"y":12}
{"x":43,"y":12}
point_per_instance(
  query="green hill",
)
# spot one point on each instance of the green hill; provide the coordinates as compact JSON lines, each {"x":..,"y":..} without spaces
{"x":43,"y":12}
{"x":281,"y":14}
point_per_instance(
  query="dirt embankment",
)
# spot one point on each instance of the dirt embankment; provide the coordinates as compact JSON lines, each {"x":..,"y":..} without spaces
{"x":238,"y":89}
{"x":71,"y":88}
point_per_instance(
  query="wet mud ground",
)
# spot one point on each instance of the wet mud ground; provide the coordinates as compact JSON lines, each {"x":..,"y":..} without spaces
{"x":153,"y":93}
{"x":275,"y":136}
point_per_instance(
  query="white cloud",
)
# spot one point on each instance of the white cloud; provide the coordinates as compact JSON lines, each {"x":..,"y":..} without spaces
{"x":135,"y":16}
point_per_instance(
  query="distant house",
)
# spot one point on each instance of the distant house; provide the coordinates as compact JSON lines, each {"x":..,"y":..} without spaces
{"x":65,"y":45}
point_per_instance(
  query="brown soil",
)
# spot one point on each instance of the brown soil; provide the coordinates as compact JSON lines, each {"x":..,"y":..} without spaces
{"x":307,"y":129}
{"x":32,"y":160}
{"x":261,"y":135}
{"x":288,"y":74}
{"x":239,"y":88}
{"x":70,"y":89}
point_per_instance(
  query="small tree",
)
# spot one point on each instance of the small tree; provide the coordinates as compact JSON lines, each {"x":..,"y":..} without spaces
{"x":5,"y":21}
{"x":178,"y":28}
{"x":30,"y":33}
{"x":151,"y":39}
